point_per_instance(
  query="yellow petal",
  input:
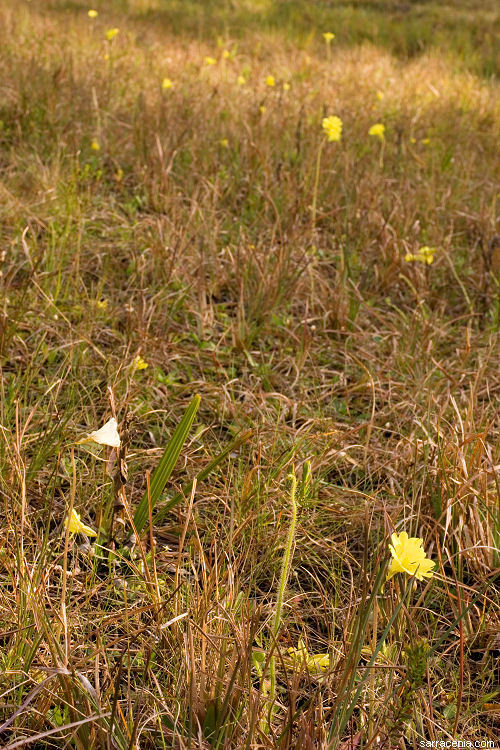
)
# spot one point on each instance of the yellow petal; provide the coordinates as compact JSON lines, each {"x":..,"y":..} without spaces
{"x":77,"y":527}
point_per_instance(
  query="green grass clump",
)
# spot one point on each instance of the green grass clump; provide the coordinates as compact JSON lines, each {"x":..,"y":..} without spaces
{"x":159,"y":242}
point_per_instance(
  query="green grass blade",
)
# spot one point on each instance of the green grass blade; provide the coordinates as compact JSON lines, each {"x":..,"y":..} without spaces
{"x":239,"y":440}
{"x":164,"y":469}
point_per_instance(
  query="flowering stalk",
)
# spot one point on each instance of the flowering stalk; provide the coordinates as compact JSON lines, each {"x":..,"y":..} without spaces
{"x":316,"y":183}
{"x":285,"y":572}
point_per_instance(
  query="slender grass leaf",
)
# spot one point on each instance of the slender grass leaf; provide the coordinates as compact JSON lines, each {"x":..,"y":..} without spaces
{"x":164,"y":469}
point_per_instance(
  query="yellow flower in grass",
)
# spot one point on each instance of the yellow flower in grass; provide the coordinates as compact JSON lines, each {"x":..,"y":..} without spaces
{"x":95,"y":145}
{"x":139,"y":363}
{"x":332,"y":127}
{"x":210,"y":60}
{"x":408,"y":556}
{"x":76,"y":526}
{"x":166,"y":84}
{"x":226,"y":54}
{"x":111,"y":33}
{"x":425,"y":255}
{"x":380,"y":95}
{"x":107,"y":435}
{"x":224,"y":143}
{"x":270,"y":81}
{"x":328,"y":37}
{"x":286,"y":86}
{"x":378,"y":130}
{"x":92,"y":13}
{"x":314,"y":663}
{"x":241,"y":80}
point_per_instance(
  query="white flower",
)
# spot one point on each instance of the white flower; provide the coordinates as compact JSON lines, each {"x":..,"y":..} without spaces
{"x":107,"y":435}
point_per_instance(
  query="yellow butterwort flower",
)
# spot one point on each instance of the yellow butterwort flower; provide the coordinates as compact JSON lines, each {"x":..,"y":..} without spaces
{"x":95,"y":145}
{"x":210,"y":60}
{"x":425,"y":255}
{"x":314,"y":663}
{"x":241,"y":80}
{"x":333,"y":127}
{"x":166,"y":84}
{"x":76,"y":526}
{"x":107,"y":435}
{"x":270,"y":81}
{"x":111,"y":33}
{"x":92,"y":13}
{"x":408,"y":556}
{"x":139,"y":363}
{"x":328,"y":36}
{"x":378,"y":130}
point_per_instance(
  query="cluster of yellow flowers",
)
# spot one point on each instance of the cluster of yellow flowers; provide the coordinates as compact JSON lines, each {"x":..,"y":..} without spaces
{"x":425,"y":255}
{"x":332,"y":127}
{"x":314,"y":663}
{"x":378,"y":130}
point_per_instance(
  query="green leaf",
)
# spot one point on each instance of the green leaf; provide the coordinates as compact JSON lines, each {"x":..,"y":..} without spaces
{"x":167,"y":462}
{"x":239,"y":439}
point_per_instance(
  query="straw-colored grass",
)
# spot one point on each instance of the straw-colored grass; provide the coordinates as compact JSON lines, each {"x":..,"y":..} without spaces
{"x":176,"y":224}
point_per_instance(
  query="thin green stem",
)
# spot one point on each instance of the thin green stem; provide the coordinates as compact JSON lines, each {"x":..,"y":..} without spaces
{"x":285,"y":572}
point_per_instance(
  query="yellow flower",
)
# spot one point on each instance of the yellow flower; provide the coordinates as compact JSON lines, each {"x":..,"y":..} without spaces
{"x":426,"y":141}
{"x":378,"y":130}
{"x":314,"y":663}
{"x":241,"y":80}
{"x":118,"y":175}
{"x":413,"y":140}
{"x":224,"y":143}
{"x":270,"y":81}
{"x":333,"y":127}
{"x":210,"y":60}
{"x":111,"y":33}
{"x":328,"y":36}
{"x":139,"y":363}
{"x":286,"y":86}
{"x":380,"y":96}
{"x":77,"y":527}
{"x":226,"y":54}
{"x":408,"y":556}
{"x":262,"y":109}
{"x":166,"y":84}
{"x":92,"y":13}
{"x":95,"y":145}
{"x":107,"y":435}
{"x":102,"y":304}
{"x":424,"y":255}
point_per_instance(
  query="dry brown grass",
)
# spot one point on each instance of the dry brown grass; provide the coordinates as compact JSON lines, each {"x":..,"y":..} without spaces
{"x":201,"y":257}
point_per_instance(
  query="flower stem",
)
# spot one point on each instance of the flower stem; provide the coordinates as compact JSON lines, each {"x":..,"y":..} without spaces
{"x":285,"y":572}
{"x":316,"y":183}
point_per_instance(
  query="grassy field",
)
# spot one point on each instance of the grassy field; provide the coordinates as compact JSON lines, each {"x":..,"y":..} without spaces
{"x":183,"y":249}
